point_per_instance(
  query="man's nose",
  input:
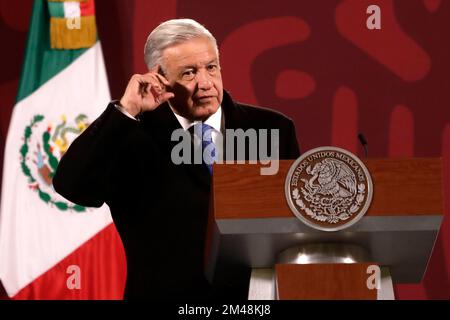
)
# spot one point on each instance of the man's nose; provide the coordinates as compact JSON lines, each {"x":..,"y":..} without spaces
{"x":204,"y":80}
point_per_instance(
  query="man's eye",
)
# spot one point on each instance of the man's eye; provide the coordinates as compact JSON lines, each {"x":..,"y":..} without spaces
{"x":188,"y":75}
{"x":212,"y":67}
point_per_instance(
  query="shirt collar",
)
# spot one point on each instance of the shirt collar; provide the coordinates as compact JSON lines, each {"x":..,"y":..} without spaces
{"x":214,"y":120}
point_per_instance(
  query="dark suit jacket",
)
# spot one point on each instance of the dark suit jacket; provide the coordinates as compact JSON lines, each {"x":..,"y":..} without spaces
{"x":159,"y":209}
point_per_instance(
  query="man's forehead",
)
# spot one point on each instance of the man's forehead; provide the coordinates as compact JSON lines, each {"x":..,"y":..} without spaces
{"x":193,"y":52}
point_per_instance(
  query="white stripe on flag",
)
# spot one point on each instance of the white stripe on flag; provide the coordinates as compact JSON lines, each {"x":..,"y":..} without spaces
{"x":72,"y":9}
{"x":34,"y":236}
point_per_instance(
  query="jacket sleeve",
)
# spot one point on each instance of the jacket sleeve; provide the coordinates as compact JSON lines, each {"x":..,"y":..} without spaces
{"x":83,"y":172}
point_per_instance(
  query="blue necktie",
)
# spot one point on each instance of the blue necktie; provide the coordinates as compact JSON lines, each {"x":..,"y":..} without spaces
{"x":207,"y":144}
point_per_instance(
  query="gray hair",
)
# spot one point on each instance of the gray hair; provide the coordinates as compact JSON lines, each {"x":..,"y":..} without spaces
{"x":170,"y":33}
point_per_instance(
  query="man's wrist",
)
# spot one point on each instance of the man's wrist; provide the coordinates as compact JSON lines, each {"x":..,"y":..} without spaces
{"x":134,"y":111}
{"x":124,"y":110}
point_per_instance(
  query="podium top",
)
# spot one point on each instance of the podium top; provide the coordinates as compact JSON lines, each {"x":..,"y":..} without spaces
{"x":253,"y":222}
{"x":402,"y":187}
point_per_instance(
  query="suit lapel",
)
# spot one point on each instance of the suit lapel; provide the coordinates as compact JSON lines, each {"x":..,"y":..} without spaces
{"x":234,"y":115}
{"x":161,"y":122}
{"x":235,"y":118}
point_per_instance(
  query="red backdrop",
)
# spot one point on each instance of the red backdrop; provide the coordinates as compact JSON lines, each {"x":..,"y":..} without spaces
{"x":313,"y":60}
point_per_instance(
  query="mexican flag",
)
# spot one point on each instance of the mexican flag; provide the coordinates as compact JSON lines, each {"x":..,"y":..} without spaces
{"x":51,"y":248}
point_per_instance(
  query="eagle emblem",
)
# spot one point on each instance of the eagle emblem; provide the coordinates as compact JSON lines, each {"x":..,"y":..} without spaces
{"x":43,"y":146}
{"x":328,"y":188}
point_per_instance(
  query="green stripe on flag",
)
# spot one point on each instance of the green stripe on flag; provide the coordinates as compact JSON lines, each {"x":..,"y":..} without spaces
{"x":41,"y":63}
{"x":56,"y":9}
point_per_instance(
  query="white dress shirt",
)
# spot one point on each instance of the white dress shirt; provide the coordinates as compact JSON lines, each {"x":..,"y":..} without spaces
{"x":215,"y":121}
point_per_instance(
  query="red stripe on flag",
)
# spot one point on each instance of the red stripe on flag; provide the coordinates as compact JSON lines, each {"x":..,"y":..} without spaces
{"x":101,"y":263}
{"x":87,"y":8}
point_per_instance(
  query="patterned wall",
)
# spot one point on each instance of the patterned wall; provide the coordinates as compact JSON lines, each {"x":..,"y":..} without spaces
{"x":315,"y":61}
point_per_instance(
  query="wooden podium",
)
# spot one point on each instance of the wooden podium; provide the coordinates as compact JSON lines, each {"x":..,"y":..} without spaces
{"x":251,"y":225}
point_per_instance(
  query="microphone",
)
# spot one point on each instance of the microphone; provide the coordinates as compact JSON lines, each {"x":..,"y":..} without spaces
{"x":363,"y":141}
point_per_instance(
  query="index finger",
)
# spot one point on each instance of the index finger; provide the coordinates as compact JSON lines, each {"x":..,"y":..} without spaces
{"x":157,"y":70}
{"x":162,"y":79}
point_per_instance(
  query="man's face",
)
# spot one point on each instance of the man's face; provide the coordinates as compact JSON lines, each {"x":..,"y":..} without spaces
{"x":193,"y":70}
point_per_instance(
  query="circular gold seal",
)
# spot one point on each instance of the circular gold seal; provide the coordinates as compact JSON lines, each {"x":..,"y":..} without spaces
{"x":328,"y":188}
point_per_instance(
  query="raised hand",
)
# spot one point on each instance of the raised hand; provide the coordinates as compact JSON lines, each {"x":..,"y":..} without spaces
{"x":145,"y":92}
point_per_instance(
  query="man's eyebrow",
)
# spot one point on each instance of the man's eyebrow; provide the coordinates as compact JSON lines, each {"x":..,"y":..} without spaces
{"x":181,"y":68}
{"x":196,"y":66}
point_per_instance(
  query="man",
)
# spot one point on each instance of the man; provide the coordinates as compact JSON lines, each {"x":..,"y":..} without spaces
{"x":124,"y":159}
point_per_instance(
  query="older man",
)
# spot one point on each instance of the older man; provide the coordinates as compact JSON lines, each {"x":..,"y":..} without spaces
{"x":124,"y":158}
